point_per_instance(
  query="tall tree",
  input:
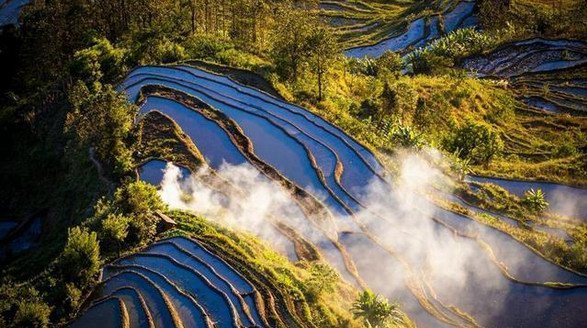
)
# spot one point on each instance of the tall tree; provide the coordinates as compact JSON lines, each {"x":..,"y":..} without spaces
{"x":323,"y":49}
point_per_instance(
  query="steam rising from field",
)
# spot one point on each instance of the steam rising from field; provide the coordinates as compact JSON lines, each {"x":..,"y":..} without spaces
{"x":255,"y":209}
{"x":399,"y":217}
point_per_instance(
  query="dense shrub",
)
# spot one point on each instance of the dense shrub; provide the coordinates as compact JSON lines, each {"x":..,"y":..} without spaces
{"x":206,"y":46}
{"x":474,"y":141}
{"x":80,"y":259}
{"x":166,"y":51}
{"x":389,"y":63}
{"x":32,"y":314}
{"x":114,"y":231}
{"x":22,"y":306}
{"x":99,"y":62}
{"x":101,"y":118}
{"x":138,"y":198}
{"x":322,"y":279}
{"x":406,"y":137}
{"x":138,"y":201}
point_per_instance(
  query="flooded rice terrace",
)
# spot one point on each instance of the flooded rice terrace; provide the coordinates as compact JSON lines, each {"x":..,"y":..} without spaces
{"x":288,"y":166}
{"x":402,"y":246}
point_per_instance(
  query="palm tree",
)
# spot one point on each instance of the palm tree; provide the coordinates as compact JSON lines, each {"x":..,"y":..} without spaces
{"x":376,"y":311}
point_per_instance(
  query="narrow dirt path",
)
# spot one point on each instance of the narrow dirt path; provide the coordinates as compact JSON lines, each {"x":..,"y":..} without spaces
{"x":109,"y":183}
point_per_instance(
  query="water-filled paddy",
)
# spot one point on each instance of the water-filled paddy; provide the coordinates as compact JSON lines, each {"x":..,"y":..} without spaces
{"x":179,"y":281}
{"x":419,"y":33}
{"x":271,"y":125}
{"x":106,"y":314}
{"x":152,"y":294}
{"x":529,"y":56}
{"x":263,"y":117}
{"x":565,"y":200}
{"x":215,"y":279}
{"x":415,"y":32}
{"x":6,"y":227}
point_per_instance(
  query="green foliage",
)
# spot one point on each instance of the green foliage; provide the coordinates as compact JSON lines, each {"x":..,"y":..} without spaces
{"x":426,"y":62}
{"x":461,"y":166}
{"x":322,"y":279}
{"x":445,"y":52}
{"x":534,"y":201}
{"x":138,"y":198}
{"x":389,"y":64}
{"x":376,"y":311}
{"x":164,"y":51}
{"x":389,"y":101}
{"x":73,"y":296}
{"x":32,"y":314}
{"x":406,"y":137}
{"x":138,"y":201}
{"x":365,"y":66}
{"x":114,"y":229}
{"x":474,"y":141}
{"x":493,"y":13}
{"x":461,"y":43}
{"x":290,"y":46}
{"x":99,"y":62}
{"x":80,"y":260}
{"x":323,"y":49}
{"x":207,"y":47}
{"x":22,"y":306}
{"x":101,"y":118}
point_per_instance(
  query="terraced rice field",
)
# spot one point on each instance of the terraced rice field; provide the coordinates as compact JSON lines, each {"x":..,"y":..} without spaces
{"x":412,"y":31}
{"x":564,"y":200}
{"x":175,"y":282}
{"x":547,"y":75}
{"x":493,"y":280}
{"x":529,"y":56}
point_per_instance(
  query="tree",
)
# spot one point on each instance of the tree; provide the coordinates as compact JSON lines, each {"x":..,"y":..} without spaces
{"x":139,"y":201}
{"x":376,"y":310}
{"x":474,"y":141}
{"x":461,"y":166}
{"x":115,"y":229}
{"x":389,"y":102}
{"x":80,"y":259}
{"x":138,"y":198}
{"x":535,"y":201}
{"x":101,"y":118}
{"x":323,"y":49}
{"x":389,"y":63}
{"x":322,"y":280}
{"x":101,"y":61}
{"x":32,"y":314}
{"x":21,"y":305}
{"x":290,"y":40}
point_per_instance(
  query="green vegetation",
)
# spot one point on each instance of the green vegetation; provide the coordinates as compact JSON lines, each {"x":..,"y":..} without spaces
{"x":321,"y":297}
{"x":26,"y":304}
{"x":80,"y":260}
{"x":529,"y":212}
{"x":534,"y":201}
{"x":68,"y":138}
{"x":376,"y":311}
{"x":474,"y":142}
